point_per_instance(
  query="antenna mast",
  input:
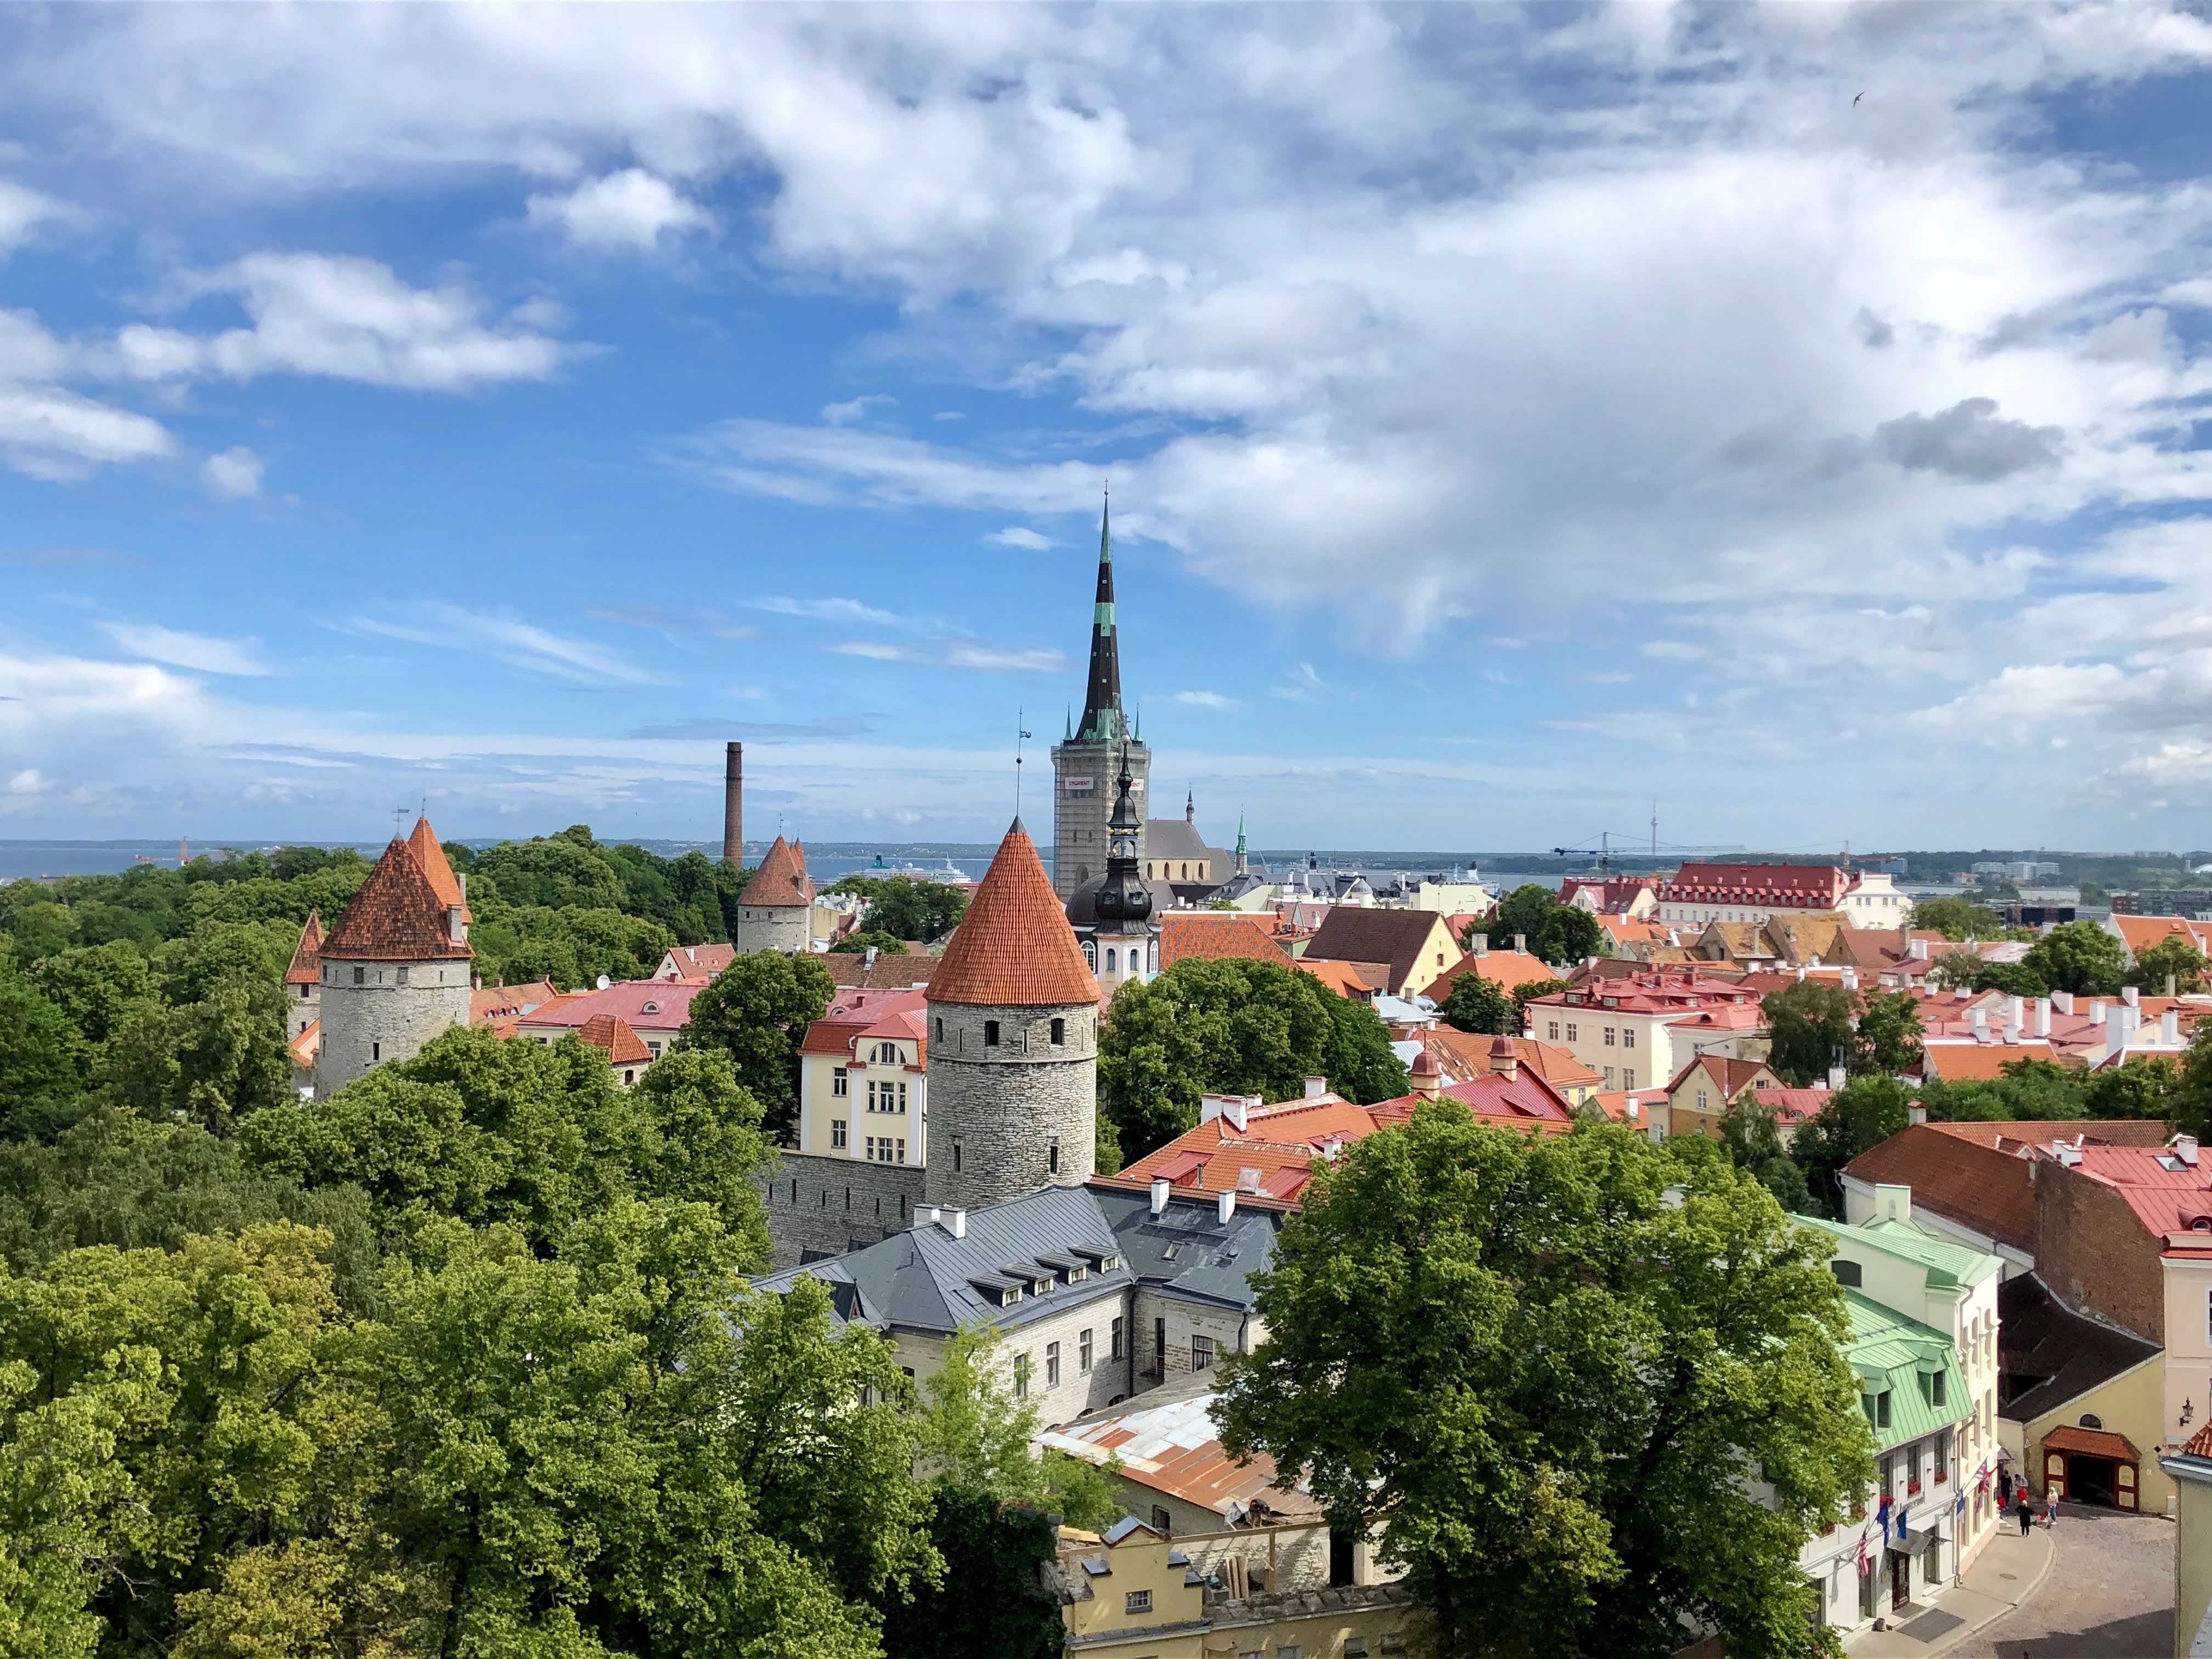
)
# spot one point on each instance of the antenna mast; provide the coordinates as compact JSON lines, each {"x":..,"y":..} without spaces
{"x":1020,"y":732}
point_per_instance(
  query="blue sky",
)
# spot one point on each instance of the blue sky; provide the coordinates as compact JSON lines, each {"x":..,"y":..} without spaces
{"x":1512,"y":417}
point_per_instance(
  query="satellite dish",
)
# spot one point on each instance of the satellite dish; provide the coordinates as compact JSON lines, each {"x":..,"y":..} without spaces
{"x":604,"y":981}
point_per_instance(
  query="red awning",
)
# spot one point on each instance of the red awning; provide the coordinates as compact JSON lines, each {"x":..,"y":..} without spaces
{"x":2094,"y":1442}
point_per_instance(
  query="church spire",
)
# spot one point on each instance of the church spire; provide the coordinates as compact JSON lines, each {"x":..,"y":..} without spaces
{"x":1241,"y":866}
{"x":1101,"y":709}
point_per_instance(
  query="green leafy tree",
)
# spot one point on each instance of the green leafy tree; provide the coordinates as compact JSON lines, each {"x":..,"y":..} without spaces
{"x":1957,"y":918}
{"x":219,"y":953}
{"x":41,"y":1061}
{"x":1810,"y":1030}
{"x":974,"y":1433}
{"x":213,"y":1060}
{"x":2079,"y":956}
{"x":2027,"y":1090}
{"x":1888,"y":1038}
{"x":1748,"y":1130}
{"x":1525,"y":1360}
{"x":563,"y":871}
{"x":1476,"y":1004}
{"x":1864,"y":1113}
{"x":2174,"y":958}
{"x":757,"y":1012}
{"x":97,"y":986}
{"x":860,"y":943}
{"x":703,"y":1142}
{"x":991,"y":1603}
{"x":1228,"y":1025}
{"x":1958,"y":969}
{"x":1362,"y":1066}
{"x":2141,"y":1086}
{"x":1558,"y":933}
{"x":1527,"y":991}
{"x":2191,"y":1100}
{"x":907,"y":909}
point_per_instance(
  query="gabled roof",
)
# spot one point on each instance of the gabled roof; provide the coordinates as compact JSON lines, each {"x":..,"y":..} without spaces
{"x":491,"y":1004}
{"x":780,"y":881}
{"x":1507,"y":969}
{"x":1175,"y":838}
{"x":850,"y":969}
{"x":1949,"y":1266}
{"x":1214,"y":934}
{"x":2139,"y":933}
{"x":2048,"y":1354}
{"x":306,"y":1046}
{"x":397,"y":916}
{"x":306,"y":967}
{"x":1730,"y":1077}
{"x":1173,"y":1447}
{"x":1355,"y":933}
{"x":1978,"y":1186}
{"x":645,"y":1004}
{"x":1348,"y":979}
{"x":1978,"y":1062}
{"x":695,"y":962}
{"x":608,"y":1031}
{"x":1014,"y":947}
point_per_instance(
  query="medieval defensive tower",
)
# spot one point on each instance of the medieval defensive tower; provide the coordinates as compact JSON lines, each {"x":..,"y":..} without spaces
{"x":1013,"y":1043}
{"x":1084,"y":763}
{"x":395,"y":970}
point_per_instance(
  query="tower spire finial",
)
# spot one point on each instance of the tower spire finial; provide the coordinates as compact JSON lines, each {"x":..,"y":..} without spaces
{"x":1101,"y":709}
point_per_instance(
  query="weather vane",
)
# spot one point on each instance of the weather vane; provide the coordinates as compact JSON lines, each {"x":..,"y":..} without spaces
{"x":1020,"y":732}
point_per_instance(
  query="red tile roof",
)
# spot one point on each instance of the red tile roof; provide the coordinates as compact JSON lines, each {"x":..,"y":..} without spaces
{"x":2164,"y":1200}
{"x":306,"y":967}
{"x":1214,"y":934}
{"x":780,"y":882}
{"x":608,"y":1031}
{"x":424,"y":843}
{"x":306,"y":1046}
{"x":894,"y":973}
{"x":1730,"y":1077}
{"x":1789,"y":886}
{"x":1506,"y":969}
{"x":1975,"y":1186}
{"x":1349,"y":979}
{"x":699,"y":962}
{"x":1978,"y":1062}
{"x":646,"y":1005}
{"x":397,"y":916}
{"x":2012,"y":1136}
{"x":491,"y":1003}
{"x":1014,"y":947}
{"x":2199,"y":1444}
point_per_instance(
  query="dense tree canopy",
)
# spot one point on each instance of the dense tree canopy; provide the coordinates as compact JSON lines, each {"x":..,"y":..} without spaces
{"x":1478,"y":1005}
{"x":1550,"y":1371}
{"x":1232,"y":1026}
{"x":757,"y":1012}
{"x":1558,"y":933}
{"x":1957,"y":919}
{"x":907,"y":909}
{"x":2175,"y":957}
{"x":2079,"y":956}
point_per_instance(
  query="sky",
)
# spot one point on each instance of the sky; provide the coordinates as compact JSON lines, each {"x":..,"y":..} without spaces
{"x":1797,"y":416}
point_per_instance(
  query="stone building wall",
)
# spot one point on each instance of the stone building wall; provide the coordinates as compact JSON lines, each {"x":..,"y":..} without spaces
{"x":1286,"y":1558}
{"x":831,"y":1204}
{"x":374,"y":1012}
{"x":785,"y":928}
{"x":1014,"y":1117}
{"x":2095,"y":1254}
{"x":1185,"y":1319}
{"x":303,"y":1006}
{"x":1079,"y":813}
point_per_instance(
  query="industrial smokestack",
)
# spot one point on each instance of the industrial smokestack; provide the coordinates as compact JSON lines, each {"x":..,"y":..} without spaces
{"x":734,"y":804}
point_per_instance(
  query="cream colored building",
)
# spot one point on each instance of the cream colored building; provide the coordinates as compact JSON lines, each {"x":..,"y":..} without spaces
{"x":863,"y":1088}
{"x":2186,"y":1266}
{"x":2190,"y":1468}
{"x":1640,"y":1030}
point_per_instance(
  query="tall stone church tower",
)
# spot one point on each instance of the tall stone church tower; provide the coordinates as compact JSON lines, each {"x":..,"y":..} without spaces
{"x":1083,"y":765}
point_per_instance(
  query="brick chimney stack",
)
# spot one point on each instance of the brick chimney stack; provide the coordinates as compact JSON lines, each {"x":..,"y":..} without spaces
{"x":734,"y":804}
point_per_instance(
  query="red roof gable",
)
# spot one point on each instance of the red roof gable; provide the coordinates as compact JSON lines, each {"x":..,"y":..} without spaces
{"x":424,"y":843}
{"x":307,"y":954}
{"x":397,"y":916}
{"x":1214,"y":934}
{"x":1014,"y":947}
{"x":780,"y":882}
{"x":623,"y":1046}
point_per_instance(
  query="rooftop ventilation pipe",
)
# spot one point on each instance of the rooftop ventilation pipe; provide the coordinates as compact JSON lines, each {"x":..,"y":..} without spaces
{"x":1161,"y":1188}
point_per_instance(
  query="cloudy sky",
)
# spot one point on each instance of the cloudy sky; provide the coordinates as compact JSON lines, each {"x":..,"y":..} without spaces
{"x":1799,"y":416}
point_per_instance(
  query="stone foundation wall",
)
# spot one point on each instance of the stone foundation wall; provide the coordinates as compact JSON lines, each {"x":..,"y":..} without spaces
{"x":1012,"y":1117}
{"x":827,"y":1205}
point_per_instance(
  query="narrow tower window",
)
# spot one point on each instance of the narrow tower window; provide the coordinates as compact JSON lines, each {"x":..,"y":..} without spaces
{"x":956,"y":1157}
{"x":1058,"y":1032}
{"x":990,"y":1034}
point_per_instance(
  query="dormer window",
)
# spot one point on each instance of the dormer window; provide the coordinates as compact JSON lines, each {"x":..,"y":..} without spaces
{"x":650,"y":1008}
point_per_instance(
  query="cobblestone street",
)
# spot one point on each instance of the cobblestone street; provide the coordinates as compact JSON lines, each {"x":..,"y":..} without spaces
{"x":2109,"y":1594}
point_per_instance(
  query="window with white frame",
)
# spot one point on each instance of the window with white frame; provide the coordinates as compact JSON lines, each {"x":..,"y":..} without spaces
{"x":1052,"y":1365}
{"x":841,"y":1082}
{"x":836,"y":1131}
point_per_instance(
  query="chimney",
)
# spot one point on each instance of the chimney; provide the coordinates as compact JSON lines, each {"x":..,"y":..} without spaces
{"x":1161,"y":1188}
{"x":1837,"y":1076}
{"x":1502,"y":1059}
{"x":2042,"y":1017}
{"x":1978,"y":1016}
{"x":2169,"y":985}
{"x":1479,"y":944}
{"x":1916,"y":1113}
{"x":956,"y":1223}
{"x":2096,"y":1013}
{"x":456,"y":929}
{"x":734,"y":804}
{"x":1521,"y":942}
{"x":2063,"y":1001}
{"x":868,"y":958}
{"x":1316,"y":1087}
{"x":925,"y":1215}
{"x":1918,"y":950}
{"x":1893,"y":1201}
{"x":2130,"y":995}
{"x":1850,"y":976}
{"x":2184,"y":1148}
{"x":1229,"y":1107}
{"x":2169,"y":1028}
{"x":1225,"y":1207}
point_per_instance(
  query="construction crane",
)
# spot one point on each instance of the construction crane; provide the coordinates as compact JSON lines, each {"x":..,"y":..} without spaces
{"x":1603,"y":851}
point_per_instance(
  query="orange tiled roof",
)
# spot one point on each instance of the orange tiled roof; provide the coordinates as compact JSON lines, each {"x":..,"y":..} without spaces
{"x":2139,"y":933}
{"x":611,"y":1032}
{"x":309,"y":1043}
{"x":1014,"y":947}
{"x":1214,"y":934}
{"x":780,"y":882}
{"x":1507,"y":969}
{"x":424,"y":843}
{"x":2199,"y":1444}
{"x":1345,"y":978}
{"x":490,"y":1004}
{"x":307,"y":954}
{"x":1978,"y":1062}
{"x":697,"y":963}
{"x":397,"y":916}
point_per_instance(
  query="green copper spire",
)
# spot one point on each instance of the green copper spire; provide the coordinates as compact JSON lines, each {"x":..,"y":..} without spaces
{"x":1101,"y":709}
{"x":1240,"y":840}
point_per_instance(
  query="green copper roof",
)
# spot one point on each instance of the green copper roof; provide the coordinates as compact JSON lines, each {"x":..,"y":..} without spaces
{"x":1901,"y":1357}
{"x":1950,"y":1267}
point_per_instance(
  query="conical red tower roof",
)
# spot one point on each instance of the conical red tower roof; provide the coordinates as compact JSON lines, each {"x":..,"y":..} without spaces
{"x":397,"y":916}
{"x":782,"y":878}
{"x":307,"y":954}
{"x":1014,"y":947}
{"x":424,"y":844}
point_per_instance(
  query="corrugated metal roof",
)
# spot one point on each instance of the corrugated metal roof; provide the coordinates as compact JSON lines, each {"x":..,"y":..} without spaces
{"x":1174,"y":1448}
{"x":1887,"y":1350}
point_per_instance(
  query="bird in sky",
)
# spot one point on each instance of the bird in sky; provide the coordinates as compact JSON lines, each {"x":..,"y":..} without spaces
{"x":1855,"y":102}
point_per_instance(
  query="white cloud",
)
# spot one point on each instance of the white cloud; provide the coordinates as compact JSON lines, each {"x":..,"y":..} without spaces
{"x":1300,"y":684}
{"x":181,"y":649}
{"x":27,"y":782}
{"x":958,"y":653}
{"x":344,"y":318}
{"x":826,"y":610}
{"x":51,"y":433}
{"x":632,"y":209}
{"x":234,"y":474}
{"x":22,"y":211}
{"x":510,"y":639}
{"x":845,"y":414}
{"x":1015,"y":536}
{"x":1208,"y":699}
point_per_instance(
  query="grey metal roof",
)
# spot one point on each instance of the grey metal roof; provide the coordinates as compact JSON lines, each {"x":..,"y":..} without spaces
{"x":1178,"y":838}
{"x":926,"y":1280}
{"x":2048,"y":1354}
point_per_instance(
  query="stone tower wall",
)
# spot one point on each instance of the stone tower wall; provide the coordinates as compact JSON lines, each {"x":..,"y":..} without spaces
{"x":785,"y":928}
{"x":302,"y":1011}
{"x":379,"y":1019}
{"x":1079,"y":815}
{"x":1005,"y":1107}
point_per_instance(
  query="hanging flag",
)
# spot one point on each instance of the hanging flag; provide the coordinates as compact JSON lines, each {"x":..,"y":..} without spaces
{"x":1958,"y":1504}
{"x":1903,"y":1513}
{"x":1866,"y":1564}
{"x":1881,"y":1516}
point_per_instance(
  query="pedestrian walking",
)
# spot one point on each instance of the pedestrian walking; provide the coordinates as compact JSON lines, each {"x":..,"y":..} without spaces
{"x":2026,"y":1514}
{"x":2051,"y":1510}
